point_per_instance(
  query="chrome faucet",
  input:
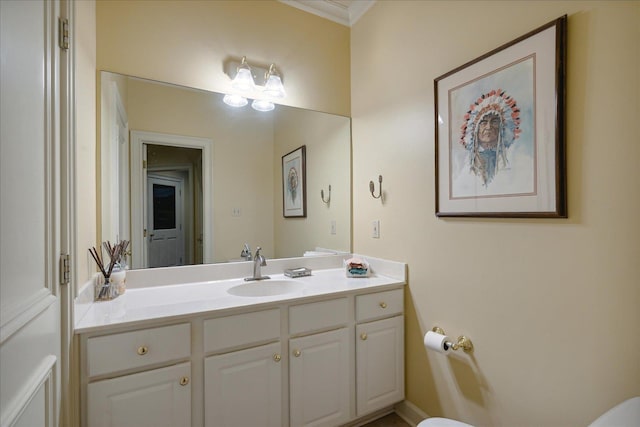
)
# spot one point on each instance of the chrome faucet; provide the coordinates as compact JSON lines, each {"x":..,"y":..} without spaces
{"x":246,"y":252}
{"x":258,"y":261}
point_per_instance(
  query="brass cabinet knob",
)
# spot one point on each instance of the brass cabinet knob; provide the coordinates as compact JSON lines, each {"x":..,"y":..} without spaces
{"x":184,"y":380}
{"x":363,"y":336}
{"x":142,"y":350}
{"x":297,"y":353}
{"x":383,"y":305}
{"x":277,"y":357}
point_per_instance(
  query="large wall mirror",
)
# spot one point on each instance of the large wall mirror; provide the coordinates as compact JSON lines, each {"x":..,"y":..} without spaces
{"x":189,"y":180}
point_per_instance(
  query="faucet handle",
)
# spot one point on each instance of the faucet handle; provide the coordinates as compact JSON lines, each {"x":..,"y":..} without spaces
{"x":259,"y":258}
{"x":246,"y":252}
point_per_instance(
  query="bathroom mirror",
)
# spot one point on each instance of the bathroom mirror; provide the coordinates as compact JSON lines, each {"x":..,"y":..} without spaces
{"x":189,"y":180}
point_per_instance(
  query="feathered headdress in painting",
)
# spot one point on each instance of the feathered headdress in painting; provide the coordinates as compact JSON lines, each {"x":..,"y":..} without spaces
{"x":494,"y":103}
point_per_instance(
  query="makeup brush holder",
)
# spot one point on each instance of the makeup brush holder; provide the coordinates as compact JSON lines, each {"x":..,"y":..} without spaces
{"x":105,"y":289}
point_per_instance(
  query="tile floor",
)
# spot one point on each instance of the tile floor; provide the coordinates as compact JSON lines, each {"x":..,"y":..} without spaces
{"x":391,"y":420}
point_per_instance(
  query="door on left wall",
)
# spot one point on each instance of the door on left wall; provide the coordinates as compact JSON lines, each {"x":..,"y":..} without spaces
{"x":32,"y":211}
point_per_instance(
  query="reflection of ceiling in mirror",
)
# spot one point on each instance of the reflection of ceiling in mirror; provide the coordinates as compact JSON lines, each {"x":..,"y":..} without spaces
{"x":246,"y":175}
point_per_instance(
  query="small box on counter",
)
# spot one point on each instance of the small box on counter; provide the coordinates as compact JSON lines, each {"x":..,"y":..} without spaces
{"x":297,"y":272}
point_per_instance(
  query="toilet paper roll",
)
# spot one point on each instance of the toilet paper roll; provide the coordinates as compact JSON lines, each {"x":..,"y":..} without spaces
{"x":437,"y":342}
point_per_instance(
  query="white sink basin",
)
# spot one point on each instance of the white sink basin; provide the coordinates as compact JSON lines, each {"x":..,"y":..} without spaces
{"x":266,"y":288}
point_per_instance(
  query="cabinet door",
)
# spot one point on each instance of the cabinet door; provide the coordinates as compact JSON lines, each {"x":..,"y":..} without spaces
{"x":379,"y":364}
{"x":319,"y":379}
{"x":244,"y":388}
{"x":157,"y":398}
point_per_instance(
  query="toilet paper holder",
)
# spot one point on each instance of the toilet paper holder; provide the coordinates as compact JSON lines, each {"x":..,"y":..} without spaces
{"x":463,"y":341}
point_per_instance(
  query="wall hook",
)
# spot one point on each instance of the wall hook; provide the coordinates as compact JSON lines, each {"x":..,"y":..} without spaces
{"x":371,"y":188}
{"x":328,"y":196}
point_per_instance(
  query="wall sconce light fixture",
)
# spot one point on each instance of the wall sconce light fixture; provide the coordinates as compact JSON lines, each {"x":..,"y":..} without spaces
{"x":262,"y":105}
{"x":273,"y":87}
{"x":235,"y":100}
{"x":261,"y":84}
{"x":243,"y":81}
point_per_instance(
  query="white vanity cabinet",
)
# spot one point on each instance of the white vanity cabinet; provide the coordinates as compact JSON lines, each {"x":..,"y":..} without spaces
{"x":243,"y":387}
{"x":127,"y":385}
{"x":326,"y":360}
{"x":319,"y":374}
{"x":379,"y":350}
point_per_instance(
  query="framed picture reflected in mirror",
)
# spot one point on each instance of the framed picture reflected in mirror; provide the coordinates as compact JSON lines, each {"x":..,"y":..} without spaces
{"x":294,"y":181}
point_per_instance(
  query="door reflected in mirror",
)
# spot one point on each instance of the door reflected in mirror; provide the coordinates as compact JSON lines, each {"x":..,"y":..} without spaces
{"x":189,"y":180}
{"x":174,"y":205}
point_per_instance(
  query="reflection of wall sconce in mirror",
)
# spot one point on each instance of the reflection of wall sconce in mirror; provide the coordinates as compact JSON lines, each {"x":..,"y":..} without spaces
{"x":372,"y":186}
{"x":249,"y":81}
{"x":328,"y":196}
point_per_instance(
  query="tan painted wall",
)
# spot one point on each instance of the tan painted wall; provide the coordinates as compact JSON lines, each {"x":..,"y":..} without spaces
{"x":535,"y":317}
{"x":247,"y":151}
{"x":328,"y":162}
{"x":551,"y":305}
{"x":187,"y":42}
{"x":241,"y":165}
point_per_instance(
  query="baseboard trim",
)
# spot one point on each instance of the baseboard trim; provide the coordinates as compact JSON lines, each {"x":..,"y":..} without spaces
{"x":410,"y":413}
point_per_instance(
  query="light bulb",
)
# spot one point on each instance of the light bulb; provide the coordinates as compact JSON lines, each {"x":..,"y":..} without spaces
{"x":262,"y":105}
{"x":235,"y":100}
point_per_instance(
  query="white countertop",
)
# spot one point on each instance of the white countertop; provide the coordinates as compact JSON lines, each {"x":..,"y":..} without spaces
{"x":139,"y":306}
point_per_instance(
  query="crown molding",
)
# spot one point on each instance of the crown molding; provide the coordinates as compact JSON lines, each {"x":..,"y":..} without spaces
{"x":345,"y":12}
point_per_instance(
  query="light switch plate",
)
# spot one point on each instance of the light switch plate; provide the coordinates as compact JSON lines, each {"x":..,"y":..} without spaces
{"x":375,"y":229}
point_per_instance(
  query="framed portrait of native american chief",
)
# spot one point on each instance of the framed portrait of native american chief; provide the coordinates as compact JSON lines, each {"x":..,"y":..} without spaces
{"x":294,"y":183}
{"x":500,"y":139}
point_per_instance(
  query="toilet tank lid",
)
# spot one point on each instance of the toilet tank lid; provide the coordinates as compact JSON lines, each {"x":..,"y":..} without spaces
{"x":625,"y":414}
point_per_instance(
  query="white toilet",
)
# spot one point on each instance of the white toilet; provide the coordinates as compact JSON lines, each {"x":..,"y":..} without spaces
{"x":442,"y":422}
{"x":626,"y":414}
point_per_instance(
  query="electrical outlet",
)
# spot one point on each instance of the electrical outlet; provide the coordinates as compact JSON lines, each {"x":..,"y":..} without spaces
{"x":235,"y":212}
{"x":333,"y":226}
{"x":375,"y":229}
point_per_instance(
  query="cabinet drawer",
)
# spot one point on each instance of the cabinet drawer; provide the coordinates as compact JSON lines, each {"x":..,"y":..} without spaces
{"x":241,"y":330}
{"x":318,"y":315}
{"x":112,"y":353}
{"x":380,"y":304}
